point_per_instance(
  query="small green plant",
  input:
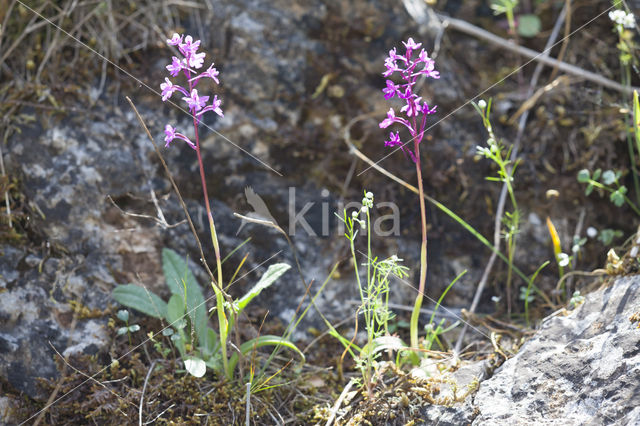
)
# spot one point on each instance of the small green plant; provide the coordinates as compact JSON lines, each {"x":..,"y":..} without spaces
{"x":123,"y":315}
{"x":374,"y":295}
{"x":606,"y":236}
{"x":507,"y":7}
{"x":526,"y":294}
{"x":608,"y":181}
{"x":199,"y":346}
{"x":526,"y":25}
{"x":576,"y":299}
{"x":499,"y":154}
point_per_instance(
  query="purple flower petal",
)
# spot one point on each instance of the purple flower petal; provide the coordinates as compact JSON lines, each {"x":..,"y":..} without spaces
{"x":212,"y":73}
{"x":175,"y":67}
{"x":391,"y":118}
{"x":170,"y":134}
{"x":196,"y":60}
{"x":167,"y":89}
{"x":175,"y":40}
{"x":411,"y":45}
{"x":391,"y":90}
{"x":394,"y":140}
{"x":195,"y":102}
{"x":189,"y":47}
{"x":215,"y":107}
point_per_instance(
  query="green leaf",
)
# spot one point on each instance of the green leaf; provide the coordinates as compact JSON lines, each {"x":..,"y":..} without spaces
{"x":608,"y":177}
{"x":584,"y":176}
{"x":210,"y":347}
{"x":133,"y":328}
{"x":617,"y":198}
{"x":121,"y":331}
{"x":140,"y":299}
{"x":266,"y":340}
{"x":175,"y":310}
{"x":588,"y":190}
{"x":596,"y":174}
{"x":214,"y":363}
{"x":177,"y":274}
{"x":273,"y":273}
{"x":195,"y":366}
{"x":607,"y":235}
{"x":528,"y":25}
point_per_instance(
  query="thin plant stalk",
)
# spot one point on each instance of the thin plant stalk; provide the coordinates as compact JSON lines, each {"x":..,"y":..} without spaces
{"x":415,"y":315}
{"x":526,"y":296}
{"x":223,"y":322}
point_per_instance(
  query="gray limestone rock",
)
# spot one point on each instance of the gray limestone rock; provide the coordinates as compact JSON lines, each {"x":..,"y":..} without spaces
{"x":582,"y":367}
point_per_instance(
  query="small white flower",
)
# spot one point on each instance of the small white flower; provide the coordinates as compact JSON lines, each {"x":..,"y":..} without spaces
{"x":629,"y":21}
{"x":355,"y":214}
{"x":495,"y":299}
{"x":481,"y":150}
{"x":623,"y":18}
{"x":616,"y":16}
{"x":592,"y":232}
{"x":563,"y":259}
{"x":482,"y":103}
{"x":369,"y":195}
{"x":364,"y":209}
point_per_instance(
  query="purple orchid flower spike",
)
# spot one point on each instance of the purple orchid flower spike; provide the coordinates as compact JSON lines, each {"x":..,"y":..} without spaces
{"x":190,"y":62}
{"x":415,"y":110}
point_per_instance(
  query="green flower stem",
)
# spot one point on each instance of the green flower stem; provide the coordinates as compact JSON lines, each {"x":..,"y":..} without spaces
{"x":223,"y":323}
{"x":415,"y":315}
{"x":511,"y":20}
{"x":511,"y":231}
{"x":365,"y":309}
{"x":368,"y":311}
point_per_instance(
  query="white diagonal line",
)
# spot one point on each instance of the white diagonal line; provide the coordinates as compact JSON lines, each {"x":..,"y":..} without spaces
{"x":148,"y":87}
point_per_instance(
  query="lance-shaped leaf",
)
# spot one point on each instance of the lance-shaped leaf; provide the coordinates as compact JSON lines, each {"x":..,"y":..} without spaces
{"x":140,"y":299}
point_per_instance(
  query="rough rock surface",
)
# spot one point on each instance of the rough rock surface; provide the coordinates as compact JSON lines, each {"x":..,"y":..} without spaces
{"x":580,"y":368}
